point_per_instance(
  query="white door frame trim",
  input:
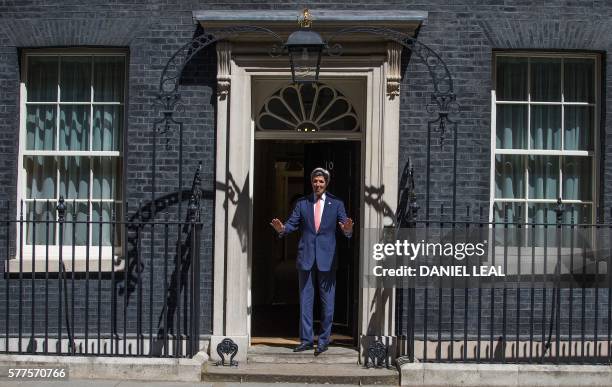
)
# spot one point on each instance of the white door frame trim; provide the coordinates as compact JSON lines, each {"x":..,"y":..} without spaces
{"x":234,"y":187}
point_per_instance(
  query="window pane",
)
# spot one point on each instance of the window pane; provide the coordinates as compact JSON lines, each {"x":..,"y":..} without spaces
{"x":514,"y":213}
{"x":40,"y":127}
{"x":42,"y":79}
{"x":509,"y":177}
{"x":578,"y":128}
{"x":74,"y":177}
{"x":274,"y":122}
{"x":103,"y":212}
{"x":69,"y":127}
{"x":578,"y":77}
{"x":108,"y":78}
{"x":107,"y":123}
{"x":543,"y":233}
{"x":546,"y":127}
{"x":582,"y":236}
{"x":75,"y":212}
{"x":542,"y":213}
{"x":578,"y":213}
{"x":511,"y":79}
{"x":577,"y":175}
{"x":543,"y":177}
{"x":511,"y":126}
{"x":330,"y":120}
{"x":75,"y":79}
{"x":105,"y":172}
{"x":39,"y":213}
{"x":41,"y":174}
{"x":74,"y":127}
{"x":545,"y":79}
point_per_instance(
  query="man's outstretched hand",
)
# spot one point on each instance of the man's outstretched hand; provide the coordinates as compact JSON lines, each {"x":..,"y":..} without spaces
{"x":347,"y":226}
{"x":278,"y":225}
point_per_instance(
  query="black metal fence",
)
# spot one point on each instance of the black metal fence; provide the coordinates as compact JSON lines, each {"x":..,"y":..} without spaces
{"x":552,"y":306}
{"x":81,"y":284}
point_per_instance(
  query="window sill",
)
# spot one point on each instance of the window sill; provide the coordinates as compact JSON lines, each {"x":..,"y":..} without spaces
{"x":107,"y":264}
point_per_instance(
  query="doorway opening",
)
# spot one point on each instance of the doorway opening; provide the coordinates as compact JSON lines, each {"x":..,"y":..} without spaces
{"x":282,"y":176}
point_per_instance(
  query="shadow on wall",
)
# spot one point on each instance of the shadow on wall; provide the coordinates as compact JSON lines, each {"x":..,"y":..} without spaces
{"x":240,"y":199}
{"x":378,"y":309}
{"x":181,"y":251}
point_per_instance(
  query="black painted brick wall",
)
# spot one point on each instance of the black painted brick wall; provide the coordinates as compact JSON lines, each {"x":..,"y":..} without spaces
{"x":464,"y":33}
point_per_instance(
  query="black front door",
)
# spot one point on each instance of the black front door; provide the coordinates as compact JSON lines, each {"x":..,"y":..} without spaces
{"x":282,"y":170}
{"x":341,"y":159}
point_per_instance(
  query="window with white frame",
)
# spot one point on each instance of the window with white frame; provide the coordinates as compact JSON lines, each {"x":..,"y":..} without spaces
{"x":545,"y":119}
{"x":71,"y":145}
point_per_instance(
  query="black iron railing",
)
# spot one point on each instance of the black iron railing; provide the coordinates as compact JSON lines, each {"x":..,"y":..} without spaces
{"x":112,"y":285}
{"x":554,"y":304}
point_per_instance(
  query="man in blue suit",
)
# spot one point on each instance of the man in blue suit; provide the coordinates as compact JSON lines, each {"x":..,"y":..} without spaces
{"x":317,"y":215}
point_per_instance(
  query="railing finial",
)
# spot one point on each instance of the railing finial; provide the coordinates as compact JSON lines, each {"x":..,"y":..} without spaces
{"x":61,"y":209}
{"x":559,"y":209}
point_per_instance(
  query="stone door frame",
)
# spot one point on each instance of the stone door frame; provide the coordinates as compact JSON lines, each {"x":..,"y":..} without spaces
{"x":234,"y":184}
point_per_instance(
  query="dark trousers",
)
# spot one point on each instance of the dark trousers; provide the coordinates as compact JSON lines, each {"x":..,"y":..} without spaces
{"x":326,"y":281}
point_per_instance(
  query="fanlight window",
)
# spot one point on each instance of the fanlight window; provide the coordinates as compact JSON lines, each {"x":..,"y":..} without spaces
{"x":308,"y":108}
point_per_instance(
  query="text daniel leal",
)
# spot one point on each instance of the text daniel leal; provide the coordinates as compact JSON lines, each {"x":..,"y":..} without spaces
{"x":440,"y":271}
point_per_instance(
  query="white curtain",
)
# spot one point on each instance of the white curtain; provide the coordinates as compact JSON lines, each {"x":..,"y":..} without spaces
{"x":509,"y":177}
{"x":545,"y":127}
{"x":40,"y":183}
{"x":545,"y":86}
{"x":544,"y":218}
{"x":41,"y":82}
{"x":80,"y":176}
{"x":579,"y":80}
{"x":578,"y":128}
{"x":543,"y":177}
{"x":75,"y":211}
{"x":75,"y":79}
{"x":74,"y":127}
{"x":577,"y":178}
{"x":510,"y":234}
{"x":74,"y":177}
{"x":40,"y":127}
{"x":108,"y":81}
{"x":511,"y":78}
{"x":511,"y":126}
{"x":545,"y":79}
{"x":102,"y":212}
{"x":105,"y":170}
{"x":107,"y":122}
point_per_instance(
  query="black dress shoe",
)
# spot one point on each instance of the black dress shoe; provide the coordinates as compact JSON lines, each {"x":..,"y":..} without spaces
{"x":320,"y":349}
{"x":302,"y":347}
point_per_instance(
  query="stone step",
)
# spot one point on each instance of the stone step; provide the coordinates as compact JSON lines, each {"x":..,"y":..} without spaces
{"x":285,"y":355}
{"x":301,"y":373}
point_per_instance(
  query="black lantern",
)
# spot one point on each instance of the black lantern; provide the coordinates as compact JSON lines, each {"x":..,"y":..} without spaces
{"x":305,"y":47}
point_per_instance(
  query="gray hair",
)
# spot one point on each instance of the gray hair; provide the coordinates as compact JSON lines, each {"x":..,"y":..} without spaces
{"x":320,"y":172}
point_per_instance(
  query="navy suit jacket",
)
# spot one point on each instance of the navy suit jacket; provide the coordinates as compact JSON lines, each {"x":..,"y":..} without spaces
{"x":319,"y":247}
